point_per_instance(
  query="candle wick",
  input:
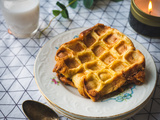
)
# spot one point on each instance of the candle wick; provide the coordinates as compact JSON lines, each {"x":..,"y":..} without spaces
{"x":150,"y":12}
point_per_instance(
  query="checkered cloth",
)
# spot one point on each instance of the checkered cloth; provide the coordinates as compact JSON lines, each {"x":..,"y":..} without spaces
{"x":17,"y":56}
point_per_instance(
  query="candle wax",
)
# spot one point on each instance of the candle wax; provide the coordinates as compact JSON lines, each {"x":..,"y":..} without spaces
{"x":143,"y":5}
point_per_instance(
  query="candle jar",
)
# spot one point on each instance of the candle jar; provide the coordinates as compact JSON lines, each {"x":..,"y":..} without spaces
{"x":143,"y":21}
{"x":21,"y":16}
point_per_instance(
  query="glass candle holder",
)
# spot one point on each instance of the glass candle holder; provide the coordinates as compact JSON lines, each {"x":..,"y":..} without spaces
{"x":144,"y":21}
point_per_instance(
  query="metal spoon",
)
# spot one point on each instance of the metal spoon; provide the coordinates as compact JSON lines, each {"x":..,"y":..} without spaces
{"x":37,"y":111}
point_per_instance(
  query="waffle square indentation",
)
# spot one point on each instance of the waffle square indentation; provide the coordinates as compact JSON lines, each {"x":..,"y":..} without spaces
{"x":62,"y":53}
{"x":94,"y":66}
{"x":89,"y":40}
{"x":71,"y":63}
{"x":91,"y":83}
{"x":122,"y":47}
{"x":77,"y":47}
{"x":108,"y":58}
{"x":118,"y":66}
{"x":100,"y":30}
{"x":98,"y":50}
{"x":110,"y":39}
{"x":104,"y":76}
{"x":133,"y":57}
{"x":85,"y":58}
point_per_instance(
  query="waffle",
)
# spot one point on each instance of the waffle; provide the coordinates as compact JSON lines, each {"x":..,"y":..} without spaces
{"x":100,"y":61}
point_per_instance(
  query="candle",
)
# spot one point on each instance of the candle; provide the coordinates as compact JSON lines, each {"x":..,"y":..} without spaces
{"x":144,"y":17}
{"x":150,"y":7}
{"x":145,"y":6}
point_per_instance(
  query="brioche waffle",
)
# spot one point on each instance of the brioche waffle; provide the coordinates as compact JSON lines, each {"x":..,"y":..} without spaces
{"x":100,"y":61}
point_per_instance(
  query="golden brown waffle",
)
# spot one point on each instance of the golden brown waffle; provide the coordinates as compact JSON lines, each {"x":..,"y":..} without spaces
{"x":99,"y":62}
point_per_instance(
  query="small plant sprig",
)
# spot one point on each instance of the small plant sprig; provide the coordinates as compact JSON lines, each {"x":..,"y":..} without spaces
{"x":72,"y":4}
{"x":64,"y":11}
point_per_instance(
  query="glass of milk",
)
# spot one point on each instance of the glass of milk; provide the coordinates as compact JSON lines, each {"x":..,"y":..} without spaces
{"x":22,"y":16}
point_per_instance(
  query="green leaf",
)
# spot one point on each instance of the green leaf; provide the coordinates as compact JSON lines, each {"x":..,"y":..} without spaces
{"x":63,"y":7}
{"x":65,"y":13}
{"x":74,"y":4}
{"x":56,"y":12}
{"x":88,"y":3}
{"x":117,"y":0}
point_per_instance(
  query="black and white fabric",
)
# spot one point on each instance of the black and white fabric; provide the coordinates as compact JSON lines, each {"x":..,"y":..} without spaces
{"x":17,"y":56}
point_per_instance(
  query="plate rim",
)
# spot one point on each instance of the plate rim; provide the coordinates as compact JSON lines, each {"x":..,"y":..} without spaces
{"x":125,"y":116}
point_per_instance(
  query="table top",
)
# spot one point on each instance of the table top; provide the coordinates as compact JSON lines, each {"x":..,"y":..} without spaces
{"x":17,"y":56}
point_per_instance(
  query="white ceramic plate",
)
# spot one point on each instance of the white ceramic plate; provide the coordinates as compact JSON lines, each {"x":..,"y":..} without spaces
{"x":69,"y":100}
{"x":77,"y":117}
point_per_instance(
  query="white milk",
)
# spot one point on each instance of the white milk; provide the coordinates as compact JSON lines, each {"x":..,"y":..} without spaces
{"x":22,"y":16}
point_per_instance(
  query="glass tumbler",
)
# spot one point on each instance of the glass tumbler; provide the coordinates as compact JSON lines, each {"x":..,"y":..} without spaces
{"x":21,"y":16}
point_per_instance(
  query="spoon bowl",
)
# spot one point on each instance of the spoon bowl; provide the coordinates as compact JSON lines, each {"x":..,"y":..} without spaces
{"x":37,"y":111}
